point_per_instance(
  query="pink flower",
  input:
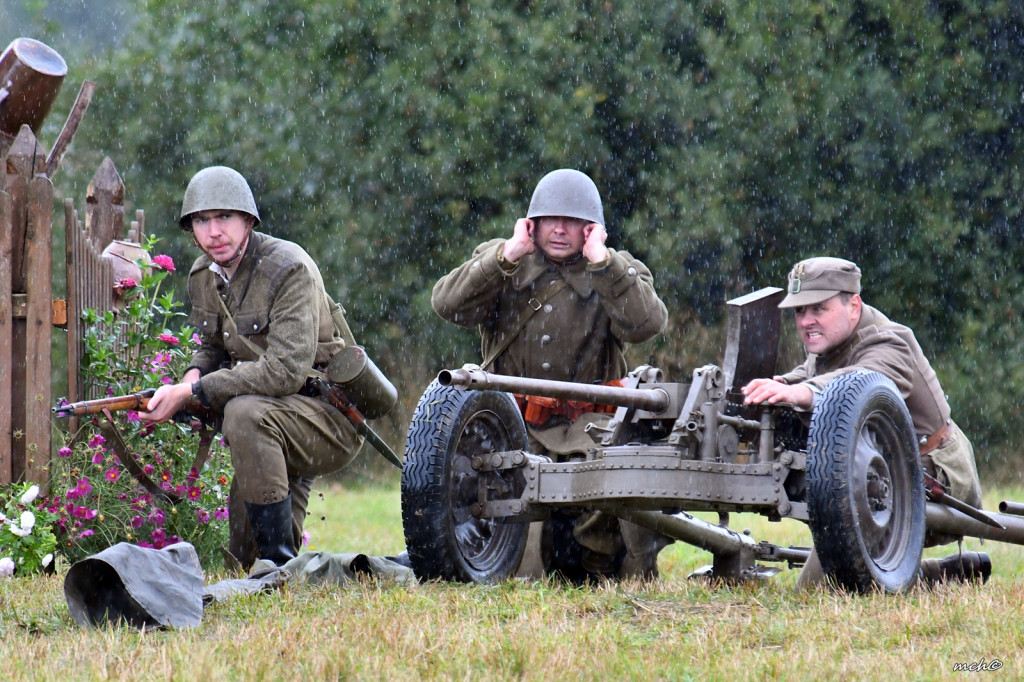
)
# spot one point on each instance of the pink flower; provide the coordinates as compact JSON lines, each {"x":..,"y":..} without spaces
{"x":113,"y":474}
{"x":156,"y":517}
{"x":133,"y":416}
{"x":64,"y":452}
{"x":85,"y":513}
{"x":98,"y":458}
{"x":196,"y":340}
{"x":220,"y":513}
{"x":97,"y":441}
{"x":169,"y":339}
{"x":137,"y":521}
{"x":306,"y":537}
{"x":164,"y":262}
{"x":125,"y":284}
{"x":202,"y":516}
{"x":193,"y":493}
{"x":87,"y":533}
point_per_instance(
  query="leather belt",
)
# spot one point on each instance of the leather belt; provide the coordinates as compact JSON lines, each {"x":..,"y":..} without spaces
{"x":937,"y":439}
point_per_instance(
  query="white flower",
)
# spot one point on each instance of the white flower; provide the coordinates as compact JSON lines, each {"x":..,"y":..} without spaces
{"x":6,"y":567}
{"x":30,"y":494}
{"x":20,"y":532}
{"x":47,"y":559}
{"x":28,"y":520}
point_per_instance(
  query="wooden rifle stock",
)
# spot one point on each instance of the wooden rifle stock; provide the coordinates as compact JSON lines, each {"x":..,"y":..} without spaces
{"x":193,"y":410}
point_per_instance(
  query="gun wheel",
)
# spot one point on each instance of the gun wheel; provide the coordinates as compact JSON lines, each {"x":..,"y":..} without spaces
{"x":865,"y":490}
{"x":439,"y":485}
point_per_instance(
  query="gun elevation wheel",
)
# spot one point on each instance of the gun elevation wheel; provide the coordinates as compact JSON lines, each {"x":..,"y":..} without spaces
{"x":865,"y":491}
{"x":439,"y":485}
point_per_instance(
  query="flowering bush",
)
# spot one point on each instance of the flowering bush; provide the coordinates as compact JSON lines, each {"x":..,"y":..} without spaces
{"x":26,"y":536}
{"x":95,"y":501}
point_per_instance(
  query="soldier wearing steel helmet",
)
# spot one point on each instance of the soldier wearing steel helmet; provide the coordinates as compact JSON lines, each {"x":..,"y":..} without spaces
{"x":265,"y":320}
{"x":842,"y":333}
{"x":554,"y":302}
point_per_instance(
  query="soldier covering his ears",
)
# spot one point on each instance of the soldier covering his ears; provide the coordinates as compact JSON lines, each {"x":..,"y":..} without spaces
{"x":554,"y":302}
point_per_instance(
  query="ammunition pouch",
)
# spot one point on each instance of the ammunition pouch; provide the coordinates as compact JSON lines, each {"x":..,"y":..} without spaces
{"x":362,"y":381}
{"x":538,"y":410}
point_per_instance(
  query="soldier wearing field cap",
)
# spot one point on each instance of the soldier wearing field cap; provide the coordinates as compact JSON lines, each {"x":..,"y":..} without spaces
{"x":841,"y":333}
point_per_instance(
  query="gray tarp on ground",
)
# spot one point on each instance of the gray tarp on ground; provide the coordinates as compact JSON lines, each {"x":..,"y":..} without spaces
{"x":159,"y":588}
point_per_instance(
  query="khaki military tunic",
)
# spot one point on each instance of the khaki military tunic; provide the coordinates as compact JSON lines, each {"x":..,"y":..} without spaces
{"x":574,"y":334}
{"x":892,"y":350}
{"x":262,"y":332}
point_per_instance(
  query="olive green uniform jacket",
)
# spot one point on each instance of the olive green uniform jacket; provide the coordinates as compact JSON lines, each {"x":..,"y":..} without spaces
{"x":577,"y":334}
{"x":278,"y":302}
{"x":892,"y":350}
{"x":257,"y":351}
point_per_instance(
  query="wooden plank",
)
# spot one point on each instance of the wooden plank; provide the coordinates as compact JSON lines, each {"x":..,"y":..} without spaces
{"x":72,"y":235}
{"x":39,"y":330}
{"x":6,"y":357}
{"x":104,"y":206}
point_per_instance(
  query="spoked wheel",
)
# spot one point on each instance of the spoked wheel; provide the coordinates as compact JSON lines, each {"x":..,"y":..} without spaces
{"x":440,"y":486}
{"x":865,"y":491}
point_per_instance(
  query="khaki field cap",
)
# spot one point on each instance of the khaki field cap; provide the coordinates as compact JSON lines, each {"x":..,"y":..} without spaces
{"x":818,"y":279}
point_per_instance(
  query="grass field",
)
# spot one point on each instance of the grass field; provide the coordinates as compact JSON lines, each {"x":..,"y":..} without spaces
{"x":672,"y":629}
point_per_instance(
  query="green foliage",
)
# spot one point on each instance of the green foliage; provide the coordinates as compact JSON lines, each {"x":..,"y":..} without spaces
{"x":729,"y":140}
{"x":98,"y":501}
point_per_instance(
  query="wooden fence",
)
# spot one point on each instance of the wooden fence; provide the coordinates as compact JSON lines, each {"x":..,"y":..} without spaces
{"x":28,"y":310}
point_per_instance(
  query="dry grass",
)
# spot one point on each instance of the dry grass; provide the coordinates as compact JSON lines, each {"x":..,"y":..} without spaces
{"x":673,"y":629}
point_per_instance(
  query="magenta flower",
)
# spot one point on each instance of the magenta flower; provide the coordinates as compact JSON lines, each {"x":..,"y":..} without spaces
{"x":156,"y":517}
{"x":133,"y":416}
{"x":193,"y":493}
{"x":196,"y":340}
{"x":193,"y":475}
{"x":98,"y":458}
{"x":97,"y":441}
{"x":86,"y":533}
{"x":164,"y":262}
{"x":202,"y":516}
{"x":169,"y":339}
{"x":220,"y":513}
{"x":86,"y":513}
{"x":113,"y":474}
{"x":125,"y":284}
{"x":64,"y":452}
{"x":141,"y":502}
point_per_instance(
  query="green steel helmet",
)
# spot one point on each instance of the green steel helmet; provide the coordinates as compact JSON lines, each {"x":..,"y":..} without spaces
{"x":567,"y":192}
{"x":217,"y":187}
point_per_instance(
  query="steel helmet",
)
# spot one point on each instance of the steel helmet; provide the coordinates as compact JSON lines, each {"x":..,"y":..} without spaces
{"x":217,"y":187}
{"x":567,"y":192}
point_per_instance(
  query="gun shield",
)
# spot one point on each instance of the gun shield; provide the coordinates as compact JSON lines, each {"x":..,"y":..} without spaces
{"x":364,"y":384}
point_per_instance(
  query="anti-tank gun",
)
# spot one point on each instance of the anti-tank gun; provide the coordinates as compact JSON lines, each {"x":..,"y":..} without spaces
{"x":851,"y":470}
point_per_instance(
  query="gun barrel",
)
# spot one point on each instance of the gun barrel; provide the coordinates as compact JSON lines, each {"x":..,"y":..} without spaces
{"x":655,"y":400}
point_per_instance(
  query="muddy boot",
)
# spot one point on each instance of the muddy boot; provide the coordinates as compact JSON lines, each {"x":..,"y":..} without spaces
{"x":272,"y":529}
{"x":966,"y":567}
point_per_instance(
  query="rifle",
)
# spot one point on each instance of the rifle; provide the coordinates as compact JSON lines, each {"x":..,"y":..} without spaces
{"x":194,"y":411}
{"x":200,"y":417}
{"x":936,"y":492}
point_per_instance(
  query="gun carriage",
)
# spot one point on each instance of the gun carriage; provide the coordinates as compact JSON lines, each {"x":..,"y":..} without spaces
{"x":851,"y":470}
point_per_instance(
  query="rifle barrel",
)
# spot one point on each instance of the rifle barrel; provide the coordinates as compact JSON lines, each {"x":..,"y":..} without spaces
{"x":134,"y":401}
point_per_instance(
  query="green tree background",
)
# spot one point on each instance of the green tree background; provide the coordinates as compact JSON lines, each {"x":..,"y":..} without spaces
{"x":729,"y":140}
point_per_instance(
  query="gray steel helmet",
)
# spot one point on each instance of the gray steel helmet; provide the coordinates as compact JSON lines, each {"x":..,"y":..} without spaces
{"x":217,"y":187}
{"x":567,"y":192}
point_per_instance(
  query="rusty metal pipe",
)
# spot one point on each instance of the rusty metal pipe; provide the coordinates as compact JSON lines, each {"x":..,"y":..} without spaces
{"x":654,"y":400}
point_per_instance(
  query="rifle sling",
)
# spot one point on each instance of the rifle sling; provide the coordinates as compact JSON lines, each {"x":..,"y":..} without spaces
{"x":113,"y":435}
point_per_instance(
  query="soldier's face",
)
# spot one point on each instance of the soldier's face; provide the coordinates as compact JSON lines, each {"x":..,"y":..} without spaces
{"x":826,"y":325}
{"x":558,"y":237}
{"x":221,"y":233}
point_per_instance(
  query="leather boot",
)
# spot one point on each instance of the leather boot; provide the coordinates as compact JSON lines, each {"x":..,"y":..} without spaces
{"x":272,"y":529}
{"x":965,"y":567}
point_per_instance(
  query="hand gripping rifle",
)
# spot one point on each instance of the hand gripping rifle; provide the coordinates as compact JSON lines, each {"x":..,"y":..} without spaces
{"x":200,"y":417}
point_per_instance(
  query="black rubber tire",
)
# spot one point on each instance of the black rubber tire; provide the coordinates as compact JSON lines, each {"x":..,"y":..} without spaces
{"x":866,"y":500}
{"x":439,"y":485}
